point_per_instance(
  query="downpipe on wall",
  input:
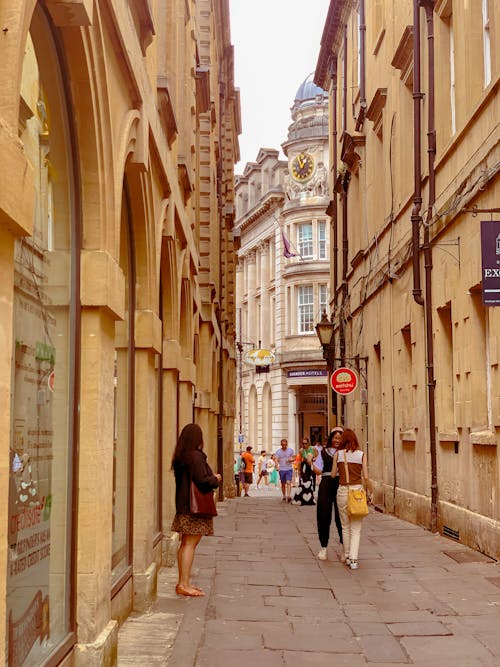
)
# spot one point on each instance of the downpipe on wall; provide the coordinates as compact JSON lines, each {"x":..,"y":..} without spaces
{"x":417,"y":219}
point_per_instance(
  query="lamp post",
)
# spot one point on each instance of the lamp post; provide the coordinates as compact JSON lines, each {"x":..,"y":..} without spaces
{"x":325,"y":332}
{"x":239,"y":347}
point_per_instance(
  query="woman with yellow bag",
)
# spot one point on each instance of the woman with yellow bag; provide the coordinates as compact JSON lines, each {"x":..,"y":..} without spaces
{"x":350,"y":462}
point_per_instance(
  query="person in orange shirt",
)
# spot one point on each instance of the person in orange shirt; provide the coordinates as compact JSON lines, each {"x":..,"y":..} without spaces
{"x":249,"y":464}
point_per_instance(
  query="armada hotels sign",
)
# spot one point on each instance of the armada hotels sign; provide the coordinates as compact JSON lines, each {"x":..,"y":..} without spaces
{"x":490,"y":252}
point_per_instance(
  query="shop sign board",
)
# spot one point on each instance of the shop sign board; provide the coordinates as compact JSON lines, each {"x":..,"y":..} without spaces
{"x":344,"y":380}
{"x":490,"y":253}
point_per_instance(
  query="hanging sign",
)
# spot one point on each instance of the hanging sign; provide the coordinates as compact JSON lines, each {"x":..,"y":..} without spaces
{"x":259,"y":357}
{"x":490,"y":253}
{"x":344,"y":380}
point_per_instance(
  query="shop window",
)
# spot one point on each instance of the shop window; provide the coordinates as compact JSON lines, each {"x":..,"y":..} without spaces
{"x":45,"y":371}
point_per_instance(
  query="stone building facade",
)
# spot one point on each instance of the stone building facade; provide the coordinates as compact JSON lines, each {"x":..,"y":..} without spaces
{"x":414,"y":161}
{"x":118,"y":134}
{"x":282,"y":281}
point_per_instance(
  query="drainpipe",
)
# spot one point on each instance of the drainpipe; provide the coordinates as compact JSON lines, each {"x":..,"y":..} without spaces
{"x":362,"y":81}
{"x":416,"y":218}
{"x":335,"y":219}
{"x":219,"y":314}
{"x":431,"y":149}
{"x":345,"y":240}
{"x":335,"y":169}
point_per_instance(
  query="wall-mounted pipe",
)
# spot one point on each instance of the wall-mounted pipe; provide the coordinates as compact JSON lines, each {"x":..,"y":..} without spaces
{"x":362,"y":56}
{"x":431,"y":151}
{"x":416,"y":218}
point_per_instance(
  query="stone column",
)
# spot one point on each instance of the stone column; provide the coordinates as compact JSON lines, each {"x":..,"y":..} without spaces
{"x":147,"y":345}
{"x":252,"y":315}
{"x":103,"y":302}
{"x":265,"y":323}
{"x":292,"y":419}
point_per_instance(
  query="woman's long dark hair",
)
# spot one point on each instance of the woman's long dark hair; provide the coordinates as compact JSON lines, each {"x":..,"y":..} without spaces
{"x":349,"y":440}
{"x":191,"y":438}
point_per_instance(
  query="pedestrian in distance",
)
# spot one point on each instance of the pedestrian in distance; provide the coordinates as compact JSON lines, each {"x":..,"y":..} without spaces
{"x":327,"y":491}
{"x":306,"y":450}
{"x":350,"y":456}
{"x":237,"y":467}
{"x":285,"y":456}
{"x":249,"y":465}
{"x":189,"y":462}
{"x":272,"y":471}
{"x":262,"y":468}
{"x":305,"y":492}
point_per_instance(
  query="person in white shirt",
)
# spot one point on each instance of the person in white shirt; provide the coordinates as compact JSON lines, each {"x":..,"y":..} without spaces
{"x":262,"y":468}
{"x":285,"y":457}
{"x":350,"y":456}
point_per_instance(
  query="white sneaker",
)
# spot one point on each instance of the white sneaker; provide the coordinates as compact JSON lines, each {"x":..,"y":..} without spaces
{"x":353,"y":565}
{"x":322,"y":555}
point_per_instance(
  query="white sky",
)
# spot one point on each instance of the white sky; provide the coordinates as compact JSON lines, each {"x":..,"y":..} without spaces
{"x":276,"y":45}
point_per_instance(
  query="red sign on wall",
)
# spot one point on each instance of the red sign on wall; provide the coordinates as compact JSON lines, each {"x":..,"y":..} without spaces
{"x":344,"y":380}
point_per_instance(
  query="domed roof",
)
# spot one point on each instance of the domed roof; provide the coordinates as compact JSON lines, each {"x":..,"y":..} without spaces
{"x":308,"y":90}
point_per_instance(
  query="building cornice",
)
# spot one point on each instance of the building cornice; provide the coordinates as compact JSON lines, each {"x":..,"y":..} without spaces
{"x":272,"y":200}
{"x":331,"y":40}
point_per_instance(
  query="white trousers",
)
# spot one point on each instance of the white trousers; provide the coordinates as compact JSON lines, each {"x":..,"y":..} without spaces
{"x":351,"y":527}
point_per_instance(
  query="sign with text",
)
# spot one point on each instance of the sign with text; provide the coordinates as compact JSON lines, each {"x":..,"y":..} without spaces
{"x":490,"y":253}
{"x":307,"y":373}
{"x":344,"y":380}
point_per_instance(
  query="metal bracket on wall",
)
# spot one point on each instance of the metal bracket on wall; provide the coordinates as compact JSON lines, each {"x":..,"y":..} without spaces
{"x":455,"y":242}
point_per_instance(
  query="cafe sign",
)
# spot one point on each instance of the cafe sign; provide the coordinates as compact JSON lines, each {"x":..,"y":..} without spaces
{"x":490,"y":253}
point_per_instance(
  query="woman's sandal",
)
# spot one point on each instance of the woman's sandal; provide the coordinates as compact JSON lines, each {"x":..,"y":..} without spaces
{"x":195,"y":593}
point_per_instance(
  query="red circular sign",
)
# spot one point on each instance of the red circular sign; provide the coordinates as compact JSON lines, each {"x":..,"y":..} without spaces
{"x":344,"y":380}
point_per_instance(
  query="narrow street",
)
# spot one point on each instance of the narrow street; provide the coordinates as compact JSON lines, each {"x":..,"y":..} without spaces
{"x":417,"y":598}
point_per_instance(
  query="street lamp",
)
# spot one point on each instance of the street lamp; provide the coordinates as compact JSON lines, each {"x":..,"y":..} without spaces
{"x":324,"y":331}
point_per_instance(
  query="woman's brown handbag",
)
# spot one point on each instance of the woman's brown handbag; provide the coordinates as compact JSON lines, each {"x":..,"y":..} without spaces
{"x":201,"y":504}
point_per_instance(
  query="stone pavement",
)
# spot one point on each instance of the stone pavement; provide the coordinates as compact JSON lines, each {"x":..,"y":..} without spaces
{"x":416,"y":599}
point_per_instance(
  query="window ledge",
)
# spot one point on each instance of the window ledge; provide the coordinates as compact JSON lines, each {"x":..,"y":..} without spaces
{"x":408,"y":436}
{"x":451,"y":435}
{"x":483,"y":438}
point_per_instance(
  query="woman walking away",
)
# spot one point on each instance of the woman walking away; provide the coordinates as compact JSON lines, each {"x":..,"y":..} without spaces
{"x":327,"y":491}
{"x":190,"y":463}
{"x":350,"y":456}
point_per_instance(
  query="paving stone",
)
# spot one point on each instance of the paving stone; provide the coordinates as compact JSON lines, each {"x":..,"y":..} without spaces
{"x":208,"y":657}
{"x":300,"y":659}
{"x":363,"y":628}
{"x":332,"y":628}
{"x":419,"y":628}
{"x":310,"y":642}
{"x":458,"y":648}
{"x":378,"y":648}
{"x":290,"y":602}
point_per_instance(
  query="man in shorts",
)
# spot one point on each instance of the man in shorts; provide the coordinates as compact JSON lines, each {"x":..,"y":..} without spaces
{"x":285,"y":457}
{"x":249,"y":463}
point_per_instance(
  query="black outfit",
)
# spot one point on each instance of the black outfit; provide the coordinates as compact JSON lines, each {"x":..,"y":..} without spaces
{"x":327,"y":498}
{"x":195,"y":468}
{"x":305,"y":495}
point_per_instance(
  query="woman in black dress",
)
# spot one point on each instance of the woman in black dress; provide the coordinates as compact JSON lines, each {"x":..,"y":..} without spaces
{"x":327,"y":492}
{"x":190,"y":463}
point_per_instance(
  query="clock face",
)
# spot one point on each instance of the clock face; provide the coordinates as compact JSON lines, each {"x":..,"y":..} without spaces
{"x":302,"y":166}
